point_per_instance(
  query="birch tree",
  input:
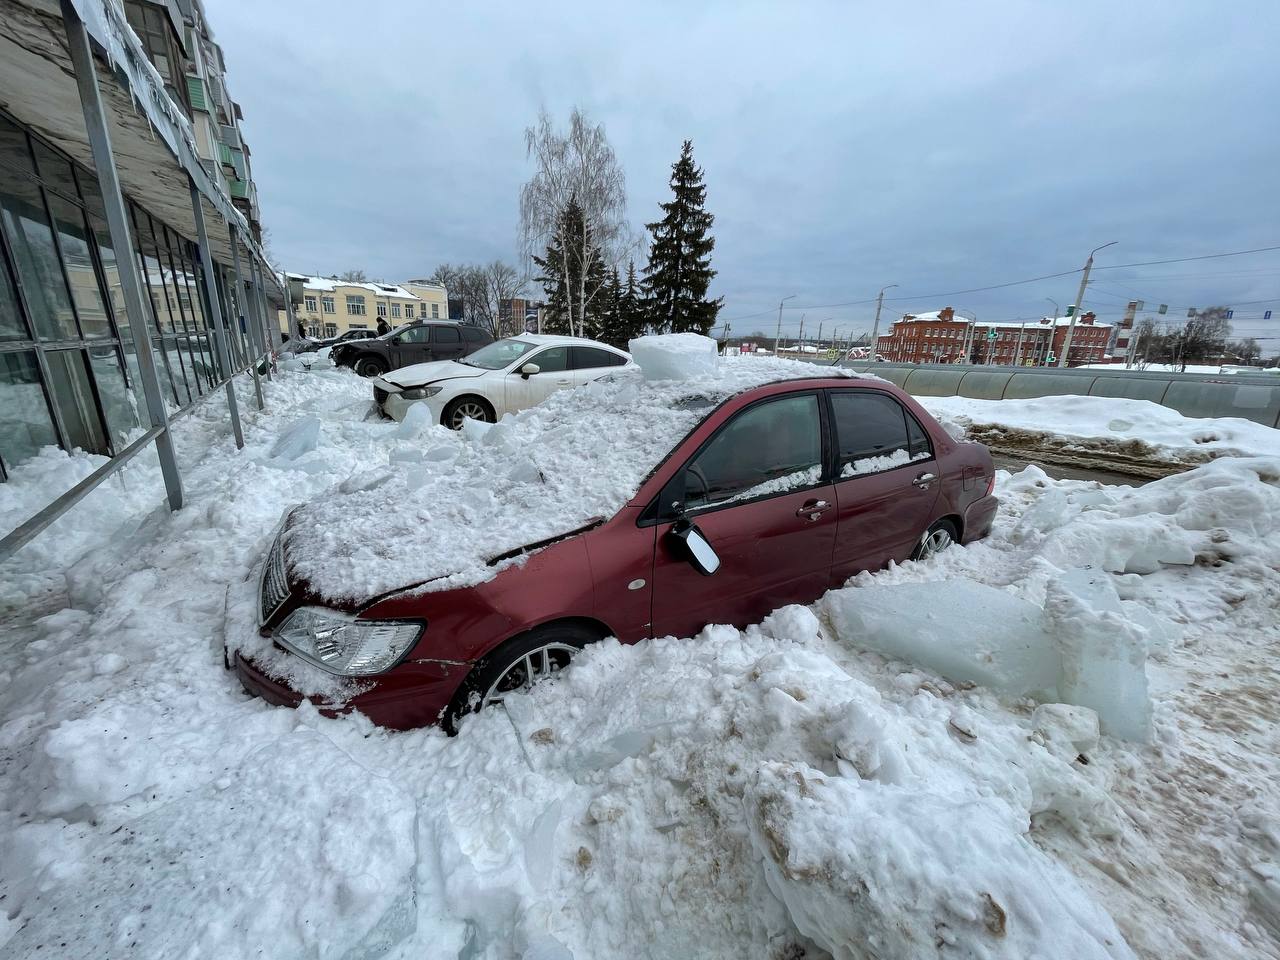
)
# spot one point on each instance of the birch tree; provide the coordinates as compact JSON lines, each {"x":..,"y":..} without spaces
{"x":578,"y":167}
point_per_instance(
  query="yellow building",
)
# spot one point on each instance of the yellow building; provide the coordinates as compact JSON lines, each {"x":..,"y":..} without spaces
{"x":329,"y":308}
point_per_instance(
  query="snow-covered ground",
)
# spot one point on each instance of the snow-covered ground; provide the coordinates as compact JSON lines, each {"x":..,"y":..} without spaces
{"x":1108,"y":429}
{"x":868,"y":777}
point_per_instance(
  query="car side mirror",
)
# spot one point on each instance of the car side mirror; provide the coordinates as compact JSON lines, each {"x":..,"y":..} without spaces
{"x":529,"y":369}
{"x":698,"y":551}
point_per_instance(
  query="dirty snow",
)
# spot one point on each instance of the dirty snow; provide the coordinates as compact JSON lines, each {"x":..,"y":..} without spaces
{"x":799,"y":789}
{"x":1128,"y":428}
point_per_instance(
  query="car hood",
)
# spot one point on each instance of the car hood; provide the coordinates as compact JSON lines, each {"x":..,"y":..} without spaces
{"x":420,"y":373}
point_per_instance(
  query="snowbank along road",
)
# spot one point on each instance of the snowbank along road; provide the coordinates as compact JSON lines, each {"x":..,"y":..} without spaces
{"x":1060,"y":742}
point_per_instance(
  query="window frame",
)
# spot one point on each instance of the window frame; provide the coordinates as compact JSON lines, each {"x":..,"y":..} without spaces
{"x":655,"y":513}
{"x":908,"y":419}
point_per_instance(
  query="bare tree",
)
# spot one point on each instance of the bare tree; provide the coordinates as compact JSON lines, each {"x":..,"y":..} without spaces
{"x":354,"y":276}
{"x":482,"y":289}
{"x":500,"y":283}
{"x":577,"y":166}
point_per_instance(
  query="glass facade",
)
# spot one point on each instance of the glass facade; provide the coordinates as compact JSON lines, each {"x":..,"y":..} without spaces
{"x":68,"y":373}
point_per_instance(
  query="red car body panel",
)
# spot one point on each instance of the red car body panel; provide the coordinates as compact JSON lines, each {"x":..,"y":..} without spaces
{"x":625,"y":578}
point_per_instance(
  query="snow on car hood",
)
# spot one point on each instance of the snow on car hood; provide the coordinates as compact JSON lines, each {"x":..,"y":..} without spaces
{"x":447,"y":503}
{"x":420,"y":373}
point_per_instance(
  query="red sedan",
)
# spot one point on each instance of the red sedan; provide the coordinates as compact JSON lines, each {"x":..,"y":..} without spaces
{"x":775,"y":495}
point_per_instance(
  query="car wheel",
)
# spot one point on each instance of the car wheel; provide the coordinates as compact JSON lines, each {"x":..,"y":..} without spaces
{"x":465,"y":407}
{"x":936,"y":539}
{"x":370,"y":367}
{"x":516,"y":666}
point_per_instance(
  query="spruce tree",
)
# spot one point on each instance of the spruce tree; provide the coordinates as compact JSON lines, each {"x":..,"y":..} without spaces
{"x":632,"y":309}
{"x":679,"y":269}
{"x":561,"y":271}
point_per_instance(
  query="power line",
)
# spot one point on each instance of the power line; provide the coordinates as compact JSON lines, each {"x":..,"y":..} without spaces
{"x":1207,"y":256}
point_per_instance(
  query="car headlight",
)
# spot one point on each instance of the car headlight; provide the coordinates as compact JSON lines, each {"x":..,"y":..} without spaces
{"x":342,"y":644}
{"x":420,"y":393}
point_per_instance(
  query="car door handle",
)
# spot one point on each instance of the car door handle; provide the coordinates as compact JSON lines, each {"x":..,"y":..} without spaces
{"x":924,"y":479}
{"x":813,"y":509}
{"x":564,"y":383}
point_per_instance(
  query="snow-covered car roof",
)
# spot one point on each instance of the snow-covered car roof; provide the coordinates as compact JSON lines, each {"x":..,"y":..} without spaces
{"x":449,"y":503}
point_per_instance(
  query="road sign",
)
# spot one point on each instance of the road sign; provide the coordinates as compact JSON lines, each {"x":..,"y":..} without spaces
{"x":1164,"y":308}
{"x":832,"y":354}
{"x":1071,"y":309}
{"x":1050,"y":359}
{"x":1267,"y":315}
{"x":991,"y":334}
{"x":1230,"y":314}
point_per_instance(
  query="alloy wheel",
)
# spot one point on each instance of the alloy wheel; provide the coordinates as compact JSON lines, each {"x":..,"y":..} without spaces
{"x":536,"y":665}
{"x":468,"y":408}
{"x":935,"y":542}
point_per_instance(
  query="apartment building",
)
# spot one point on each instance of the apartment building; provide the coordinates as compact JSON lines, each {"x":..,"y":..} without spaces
{"x":132,"y":282}
{"x":328,"y":307}
{"x":941,"y":337}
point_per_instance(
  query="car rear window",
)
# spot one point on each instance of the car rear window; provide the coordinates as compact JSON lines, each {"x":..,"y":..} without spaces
{"x":447,"y":335}
{"x":587,"y":358}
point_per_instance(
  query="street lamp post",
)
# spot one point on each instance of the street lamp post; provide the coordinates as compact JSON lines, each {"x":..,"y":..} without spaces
{"x":1084,"y":282}
{"x":875,"y":327}
{"x":777,"y":340}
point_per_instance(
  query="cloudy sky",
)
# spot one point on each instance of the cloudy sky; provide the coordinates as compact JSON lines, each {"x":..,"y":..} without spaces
{"x":938,"y":146}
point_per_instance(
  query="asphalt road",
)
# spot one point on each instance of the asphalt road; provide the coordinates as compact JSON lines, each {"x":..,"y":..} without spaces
{"x":1014,"y":464}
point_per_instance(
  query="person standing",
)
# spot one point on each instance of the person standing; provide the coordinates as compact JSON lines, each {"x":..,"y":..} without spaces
{"x":383,"y":326}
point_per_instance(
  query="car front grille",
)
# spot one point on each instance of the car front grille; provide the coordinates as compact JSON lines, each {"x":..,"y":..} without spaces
{"x":275,"y":581}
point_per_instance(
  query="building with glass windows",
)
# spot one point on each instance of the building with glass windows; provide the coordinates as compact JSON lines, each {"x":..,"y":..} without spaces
{"x":116,"y":129}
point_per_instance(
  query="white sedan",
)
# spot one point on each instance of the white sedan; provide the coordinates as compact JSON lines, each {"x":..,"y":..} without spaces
{"x":502,"y":377}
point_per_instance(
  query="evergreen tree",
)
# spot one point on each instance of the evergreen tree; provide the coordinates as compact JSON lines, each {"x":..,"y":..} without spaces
{"x":632,"y":309}
{"x":679,"y":269}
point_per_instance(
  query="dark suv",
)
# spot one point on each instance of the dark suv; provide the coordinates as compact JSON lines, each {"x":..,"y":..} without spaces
{"x":412,"y":343}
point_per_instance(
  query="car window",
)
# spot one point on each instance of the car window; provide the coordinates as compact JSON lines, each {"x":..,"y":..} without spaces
{"x":498,"y":354}
{"x":587,"y":358}
{"x":473,"y":334}
{"x":551,"y":360}
{"x":872,"y":434}
{"x":447,"y":335}
{"x":771,"y":448}
{"x":415,"y":335}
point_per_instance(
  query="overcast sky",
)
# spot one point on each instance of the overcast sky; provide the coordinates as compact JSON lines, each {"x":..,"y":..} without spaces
{"x":846,"y":146}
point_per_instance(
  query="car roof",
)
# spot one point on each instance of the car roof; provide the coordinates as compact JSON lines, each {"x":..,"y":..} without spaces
{"x":547,"y":339}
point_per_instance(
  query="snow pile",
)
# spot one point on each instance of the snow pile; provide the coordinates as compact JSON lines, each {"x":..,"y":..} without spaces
{"x":545,"y":472}
{"x":1075,"y":640}
{"x":675,"y":356}
{"x":1137,"y":426}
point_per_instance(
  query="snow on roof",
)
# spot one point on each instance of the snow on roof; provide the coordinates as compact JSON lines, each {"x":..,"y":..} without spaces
{"x":329,"y":284}
{"x":935,"y":317}
{"x":450,"y":503}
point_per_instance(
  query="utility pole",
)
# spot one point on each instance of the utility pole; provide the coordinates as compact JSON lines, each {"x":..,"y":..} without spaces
{"x":726,"y":335}
{"x":1075,"y":314}
{"x":777,"y":340}
{"x":875,"y":327}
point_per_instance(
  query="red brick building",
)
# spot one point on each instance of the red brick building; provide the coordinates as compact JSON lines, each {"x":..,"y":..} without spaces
{"x":941,"y":337}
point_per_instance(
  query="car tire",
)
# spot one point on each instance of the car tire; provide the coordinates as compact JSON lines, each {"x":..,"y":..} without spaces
{"x":547,"y":649}
{"x":936,"y":539}
{"x":477,"y":408}
{"x":370,"y":367}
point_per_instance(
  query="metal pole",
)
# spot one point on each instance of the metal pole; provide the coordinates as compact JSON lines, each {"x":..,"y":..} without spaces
{"x":243,"y":307}
{"x":122,"y":240}
{"x":260,"y":312}
{"x":1075,"y":314}
{"x":777,"y":340}
{"x":1017,"y":356}
{"x":268,"y":322}
{"x":219,"y":324}
{"x":875,"y":327}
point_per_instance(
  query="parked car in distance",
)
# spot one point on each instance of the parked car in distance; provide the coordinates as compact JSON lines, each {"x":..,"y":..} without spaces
{"x":311,"y":346}
{"x":409,"y":344}
{"x":654,"y":512}
{"x":499,"y":378}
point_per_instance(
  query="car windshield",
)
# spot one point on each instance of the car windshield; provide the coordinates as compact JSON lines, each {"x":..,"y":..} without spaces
{"x":498,"y":354}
